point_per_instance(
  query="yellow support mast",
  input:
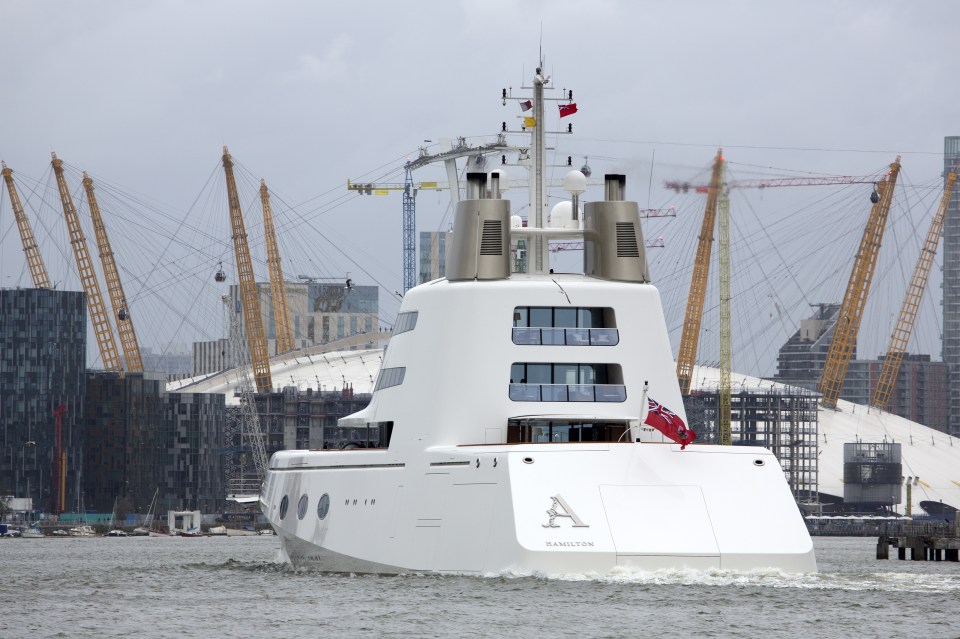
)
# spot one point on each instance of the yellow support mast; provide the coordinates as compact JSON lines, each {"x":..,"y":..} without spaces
{"x":98,"y":314}
{"x":851,"y":310}
{"x":726,"y":365}
{"x":698,"y":284}
{"x":37,"y":270}
{"x":249,"y":299}
{"x":128,"y":336}
{"x":911,"y":304}
{"x":281,"y":311}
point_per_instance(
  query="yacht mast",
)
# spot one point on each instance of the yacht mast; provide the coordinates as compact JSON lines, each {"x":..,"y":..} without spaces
{"x":541,"y":260}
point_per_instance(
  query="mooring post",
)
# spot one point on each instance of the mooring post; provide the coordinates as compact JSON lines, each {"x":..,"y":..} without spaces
{"x":883,"y":547}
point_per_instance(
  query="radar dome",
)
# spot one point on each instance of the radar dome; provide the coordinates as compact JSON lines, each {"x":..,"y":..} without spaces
{"x":561,"y":216}
{"x":575,"y":183}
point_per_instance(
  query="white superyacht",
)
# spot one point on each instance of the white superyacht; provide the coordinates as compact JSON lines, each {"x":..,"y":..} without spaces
{"x":510,"y":411}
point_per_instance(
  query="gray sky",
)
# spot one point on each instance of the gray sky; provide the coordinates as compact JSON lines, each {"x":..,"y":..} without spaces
{"x":307,"y":94}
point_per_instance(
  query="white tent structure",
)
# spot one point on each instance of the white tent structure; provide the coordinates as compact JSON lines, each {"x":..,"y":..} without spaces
{"x":930,"y":457}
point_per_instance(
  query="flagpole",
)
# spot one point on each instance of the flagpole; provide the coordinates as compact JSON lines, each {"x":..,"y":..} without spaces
{"x":645,"y":408}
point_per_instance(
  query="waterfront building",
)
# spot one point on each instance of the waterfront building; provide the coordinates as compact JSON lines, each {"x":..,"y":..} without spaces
{"x":320,"y":313}
{"x":140,"y":438}
{"x":951,"y":285}
{"x":43,"y":339}
{"x":433,"y":256}
{"x":921,"y":390}
{"x":211,"y":356}
{"x":173,"y":363}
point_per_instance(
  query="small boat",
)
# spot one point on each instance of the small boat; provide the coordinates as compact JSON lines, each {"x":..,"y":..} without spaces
{"x":82,"y":530}
{"x":32,"y":531}
{"x":112,"y":531}
{"x":146,"y":529}
{"x":241,"y":532}
{"x":218,"y":531}
{"x":191,"y":532}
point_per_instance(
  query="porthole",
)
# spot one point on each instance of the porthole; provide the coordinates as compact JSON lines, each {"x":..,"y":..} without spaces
{"x":323,"y":506}
{"x":758,"y":462}
{"x":283,"y":506}
{"x":528,"y":460}
{"x":302,"y":507}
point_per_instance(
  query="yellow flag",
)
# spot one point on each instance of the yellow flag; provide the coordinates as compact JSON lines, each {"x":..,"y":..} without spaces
{"x":529,"y":122}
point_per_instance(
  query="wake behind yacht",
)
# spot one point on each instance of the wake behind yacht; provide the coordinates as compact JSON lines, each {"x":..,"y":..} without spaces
{"x":512,"y":413}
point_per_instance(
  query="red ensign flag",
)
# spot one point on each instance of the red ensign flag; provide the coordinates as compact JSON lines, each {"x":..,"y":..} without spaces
{"x":669,"y":423}
{"x":567,"y":109}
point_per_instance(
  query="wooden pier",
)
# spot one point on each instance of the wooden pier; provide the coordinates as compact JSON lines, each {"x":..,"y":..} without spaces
{"x":926,"y":542}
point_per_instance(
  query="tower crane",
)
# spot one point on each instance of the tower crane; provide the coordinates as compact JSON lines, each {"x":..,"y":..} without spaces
{"x":911,"y":304}
{"x":689,"y":340}
{"x":698,"y":284}
{"x":128,"y":336}
{"x":278,"y":290}
{"x":248,"y":285}
{"x":102,"y":328}
{"x":249,"y":420}
{"x":37,"y":270}
{"x":851,"y":310}
{"x":458,"y":150}
{"x":726,"y":364}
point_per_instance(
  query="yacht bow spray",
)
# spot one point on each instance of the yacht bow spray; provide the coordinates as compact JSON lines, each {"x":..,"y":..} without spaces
{"x":518,"y":430}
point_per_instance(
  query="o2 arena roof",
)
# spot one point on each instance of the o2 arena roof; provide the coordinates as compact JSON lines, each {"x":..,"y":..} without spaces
{"x":933,"y":457}
{"x":323,"y":371}
{"x":929,"y":455}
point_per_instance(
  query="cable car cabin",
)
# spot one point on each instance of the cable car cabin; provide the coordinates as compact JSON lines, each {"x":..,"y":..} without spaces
{"x":220,"y":276}
{"x":554,"y":429}
{"x":122,"y":314}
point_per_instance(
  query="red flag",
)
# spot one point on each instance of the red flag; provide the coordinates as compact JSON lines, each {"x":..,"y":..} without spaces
{"x":526,"y":106}
{"x":669,"y":423}
{"x":567,"y":109}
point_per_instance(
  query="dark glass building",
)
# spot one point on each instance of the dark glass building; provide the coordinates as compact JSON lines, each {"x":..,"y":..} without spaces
{"x":43,"y":339}
{"x":140,"y":438}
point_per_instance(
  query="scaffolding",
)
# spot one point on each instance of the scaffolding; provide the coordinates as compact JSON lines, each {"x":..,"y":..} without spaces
{"x":785,"y":421}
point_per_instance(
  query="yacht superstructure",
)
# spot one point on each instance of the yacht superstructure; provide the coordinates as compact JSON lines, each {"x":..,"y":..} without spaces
{"x":510,"y":415}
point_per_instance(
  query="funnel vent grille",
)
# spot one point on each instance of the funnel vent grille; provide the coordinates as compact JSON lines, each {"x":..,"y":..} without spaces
{"x":627,"y":240}
{"x":491,"y":240}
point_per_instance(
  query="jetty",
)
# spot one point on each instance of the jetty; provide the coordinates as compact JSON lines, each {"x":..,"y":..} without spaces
{"x":927,"y":541}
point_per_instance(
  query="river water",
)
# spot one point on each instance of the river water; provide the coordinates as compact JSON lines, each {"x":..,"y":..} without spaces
{"x":222,"y":587}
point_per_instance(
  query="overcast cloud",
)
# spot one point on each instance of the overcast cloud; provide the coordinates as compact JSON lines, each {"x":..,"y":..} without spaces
{"x":143,"y":95}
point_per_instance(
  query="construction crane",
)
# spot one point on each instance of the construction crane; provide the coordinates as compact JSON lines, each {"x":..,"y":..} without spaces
{"x":690,"y":337}
{"x":410,"y":190}
{"x":128,"y":336}
{"x":689,"y":340}
{"x":911,"y":304}
{"x":37,"y":270}
{"x":823,"y":180}
{"x":248,"y":420}
{"x":851,"y":310}
{"x":249,"y":299}
{"x":278,"y":290}
{"x":102,"y":328}
{"x":458,"y":149}
{"x":726,"y":364}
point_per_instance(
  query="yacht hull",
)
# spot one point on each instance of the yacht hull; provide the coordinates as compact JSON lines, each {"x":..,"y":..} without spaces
{"x":573,"y":508}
